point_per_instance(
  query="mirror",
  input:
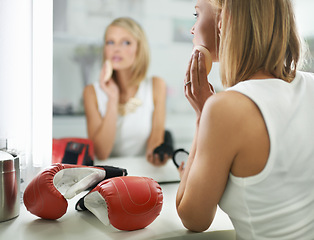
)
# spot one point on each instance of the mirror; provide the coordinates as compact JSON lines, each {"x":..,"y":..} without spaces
{"x":79,"y":26}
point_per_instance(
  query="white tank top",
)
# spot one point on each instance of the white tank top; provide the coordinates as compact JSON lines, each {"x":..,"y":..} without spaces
{"x":133,"y":129}
{"x":278,"y":203}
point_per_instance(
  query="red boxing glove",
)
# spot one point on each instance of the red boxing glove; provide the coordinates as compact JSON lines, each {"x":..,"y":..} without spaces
{"x":46,"y":194}
{"x":128,"y":203}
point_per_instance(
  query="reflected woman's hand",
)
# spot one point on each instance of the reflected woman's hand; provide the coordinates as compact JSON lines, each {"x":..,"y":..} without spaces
{"x":157,"y":159}
{"x":108,"y":86}
{"x":197,"y":89}
{"x":161,"y":154}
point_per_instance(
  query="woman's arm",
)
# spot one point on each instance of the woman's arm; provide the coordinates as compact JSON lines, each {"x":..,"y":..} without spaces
{"x":101,"y":130}
{"x":206,"y":174}
{"x":158,"y":121}
{"x":184,"y":169}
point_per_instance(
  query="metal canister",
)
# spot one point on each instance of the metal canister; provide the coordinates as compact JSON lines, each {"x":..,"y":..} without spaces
{"x":9,"y":187}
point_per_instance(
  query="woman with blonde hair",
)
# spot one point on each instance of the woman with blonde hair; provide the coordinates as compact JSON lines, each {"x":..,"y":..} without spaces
{"x":253,"y":151}
{"x":125,"y":109}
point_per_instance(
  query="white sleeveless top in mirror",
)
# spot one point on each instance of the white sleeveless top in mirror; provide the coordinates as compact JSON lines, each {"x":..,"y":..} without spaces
{"x":133,"y":129}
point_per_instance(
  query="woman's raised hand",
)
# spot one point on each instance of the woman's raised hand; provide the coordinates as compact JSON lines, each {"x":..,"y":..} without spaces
{"x":197,"y":89}
{"x":106,"y":81}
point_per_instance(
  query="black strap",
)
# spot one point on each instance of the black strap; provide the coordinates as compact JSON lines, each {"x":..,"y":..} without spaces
{"x":72,"y":151}
{"x":80,"y":206}
{"x":87,"y":161}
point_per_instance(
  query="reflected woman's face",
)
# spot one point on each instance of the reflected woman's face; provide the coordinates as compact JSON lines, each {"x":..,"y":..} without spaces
{"x":120,"y":48}
{"x":205,"y":29}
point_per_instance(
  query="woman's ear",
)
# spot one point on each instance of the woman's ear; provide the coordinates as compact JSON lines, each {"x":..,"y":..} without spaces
{"x":219,"y":25}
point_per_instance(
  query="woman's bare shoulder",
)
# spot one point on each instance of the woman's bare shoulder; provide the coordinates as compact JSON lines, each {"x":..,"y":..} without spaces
{"x":231,"y":102}
{"x":158,"y":82}
{"x":159,"y":88}
{"x":231,"y":109}
{"x":89,"y":89}
{"x":89,"y":94}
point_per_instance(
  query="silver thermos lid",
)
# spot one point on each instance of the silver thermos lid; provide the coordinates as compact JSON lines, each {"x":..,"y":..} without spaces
{"x":9,"y":186}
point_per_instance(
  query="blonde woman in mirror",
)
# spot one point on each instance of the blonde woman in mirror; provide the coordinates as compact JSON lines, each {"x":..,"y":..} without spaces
{"x":253,"y":150}
{"x":125,"y":109}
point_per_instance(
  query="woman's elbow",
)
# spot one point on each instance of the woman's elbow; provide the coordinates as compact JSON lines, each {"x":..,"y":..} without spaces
{"x":101,"y":154}
{"x":195,"y":225}
{"x":192,"y":222}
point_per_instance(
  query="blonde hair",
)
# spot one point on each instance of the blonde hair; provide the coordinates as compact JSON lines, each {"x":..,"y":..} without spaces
{"x":257,"y":35}
{"x":141,"y":63}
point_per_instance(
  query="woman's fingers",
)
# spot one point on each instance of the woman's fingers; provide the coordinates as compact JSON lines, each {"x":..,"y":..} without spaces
{"x":149,"y":157}
{"x":102,"y":81}
{"x":160,"y":160}
{"x":191,"y":75}
{"x":194,"y":70}
{"x":197,"y":71}
{"x":187,"y":74}
{"x":103,"y":71}
{"x":201,"y":67}
{"x":193,"y":87}
{"x":197,"y":89}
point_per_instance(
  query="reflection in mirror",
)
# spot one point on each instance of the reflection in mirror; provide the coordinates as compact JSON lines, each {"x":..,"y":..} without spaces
{"x":79,"y":26}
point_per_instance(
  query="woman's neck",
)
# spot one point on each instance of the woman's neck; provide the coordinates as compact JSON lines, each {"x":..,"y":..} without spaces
{"x":126,"y":88}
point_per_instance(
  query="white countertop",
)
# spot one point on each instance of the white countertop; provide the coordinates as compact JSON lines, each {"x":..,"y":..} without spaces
{"x":84,"y":225}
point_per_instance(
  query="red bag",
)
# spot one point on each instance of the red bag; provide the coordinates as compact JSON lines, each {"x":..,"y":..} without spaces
{"x":79,"y":151}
